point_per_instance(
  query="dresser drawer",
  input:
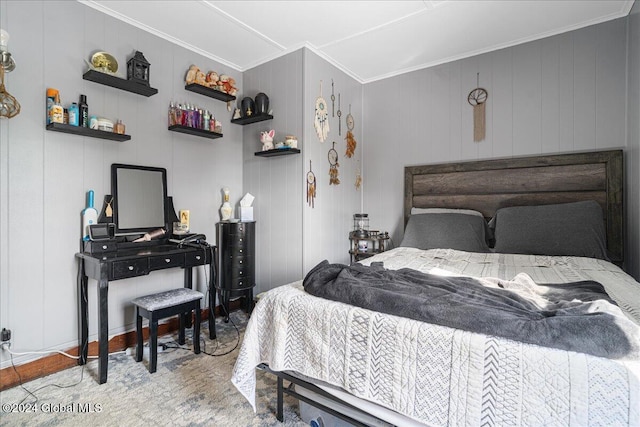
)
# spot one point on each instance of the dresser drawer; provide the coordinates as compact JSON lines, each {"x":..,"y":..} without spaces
{"x":132,"y":268}
{"x":240,"y":283}
{"x":238,"y":228}
{"x":166,"y":261}
{"x":196,"y":258}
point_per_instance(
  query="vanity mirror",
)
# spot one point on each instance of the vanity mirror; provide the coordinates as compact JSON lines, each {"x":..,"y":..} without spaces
{"x":139,"y":197}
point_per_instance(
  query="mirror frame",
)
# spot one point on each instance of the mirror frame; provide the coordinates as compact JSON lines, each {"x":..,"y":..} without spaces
{"x":115,"y":167}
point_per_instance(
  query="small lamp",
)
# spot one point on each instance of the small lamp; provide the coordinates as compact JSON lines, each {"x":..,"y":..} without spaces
{"x":138,"y":69}
{"x":6,"y":61}
{"x":361,"y":225}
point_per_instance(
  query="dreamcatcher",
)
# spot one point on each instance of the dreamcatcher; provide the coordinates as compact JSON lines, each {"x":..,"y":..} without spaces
{"x":311,"y":187}
{"x":333,"y":165}
{"x":321,"y":119}
{"x":351,"y":141}
{"x":477,"y":98}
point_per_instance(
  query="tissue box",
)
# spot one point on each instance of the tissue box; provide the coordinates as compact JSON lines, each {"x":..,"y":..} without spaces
{"x":246,"y":213}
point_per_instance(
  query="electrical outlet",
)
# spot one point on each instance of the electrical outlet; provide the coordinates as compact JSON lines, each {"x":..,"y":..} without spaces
{"x":6,"y":334}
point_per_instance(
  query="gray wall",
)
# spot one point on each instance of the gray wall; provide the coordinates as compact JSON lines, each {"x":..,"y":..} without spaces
{"x":276,"y":182}
{"x":326,"y":226}
{"x":560,"y":94}
{"x":44,"y":176}
{"x":279,"y":183}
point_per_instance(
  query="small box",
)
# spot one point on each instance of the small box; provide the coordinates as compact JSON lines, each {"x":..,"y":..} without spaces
{"x":246,"y":213}
{"x":184,"y":221}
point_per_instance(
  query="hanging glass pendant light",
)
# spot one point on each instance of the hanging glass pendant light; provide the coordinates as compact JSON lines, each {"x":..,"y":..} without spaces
{"x":9,"y":105}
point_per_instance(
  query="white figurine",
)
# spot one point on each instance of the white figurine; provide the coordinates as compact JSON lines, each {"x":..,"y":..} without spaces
{"x":267,"y":139}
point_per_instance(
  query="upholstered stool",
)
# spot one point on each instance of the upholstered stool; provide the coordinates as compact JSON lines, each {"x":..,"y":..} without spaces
{"x":162,"y":305}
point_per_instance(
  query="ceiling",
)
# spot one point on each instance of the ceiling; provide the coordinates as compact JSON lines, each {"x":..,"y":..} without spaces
{"x":369,"y":40}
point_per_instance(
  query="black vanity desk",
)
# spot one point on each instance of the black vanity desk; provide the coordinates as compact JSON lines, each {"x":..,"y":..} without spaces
{"x":130,"y":260}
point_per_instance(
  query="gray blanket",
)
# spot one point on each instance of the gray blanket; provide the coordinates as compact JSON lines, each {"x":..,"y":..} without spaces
{"x":577,"y":316}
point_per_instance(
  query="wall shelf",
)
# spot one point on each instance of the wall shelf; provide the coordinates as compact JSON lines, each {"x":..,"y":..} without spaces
{"x":118,"y":83}
{"x":277,"y":152}
{"x":252,"y":119}
{"x":193,"y":131}
{"x":82,"y":131}
{"x":212,"y":93}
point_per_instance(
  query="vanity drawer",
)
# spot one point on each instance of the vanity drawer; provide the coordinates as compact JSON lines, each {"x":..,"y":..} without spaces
{"x":166,"y":261}
{"x":132,"y":268}
{"x":196,"y":258}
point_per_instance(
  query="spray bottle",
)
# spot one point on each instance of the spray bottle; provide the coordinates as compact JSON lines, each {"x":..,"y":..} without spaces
{"x":89,"y":216}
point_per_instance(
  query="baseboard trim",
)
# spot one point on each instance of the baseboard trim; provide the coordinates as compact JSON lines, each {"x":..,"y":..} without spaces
{"x":56,"y":362}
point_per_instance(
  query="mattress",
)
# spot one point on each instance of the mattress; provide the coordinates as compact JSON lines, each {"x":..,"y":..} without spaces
{"x":443,"y":376}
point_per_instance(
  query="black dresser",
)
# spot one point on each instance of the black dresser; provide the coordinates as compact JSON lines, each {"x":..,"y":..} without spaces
{"x":236,"y":245}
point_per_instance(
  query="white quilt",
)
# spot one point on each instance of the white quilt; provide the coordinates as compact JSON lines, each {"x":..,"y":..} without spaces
{"x":443,"y":376}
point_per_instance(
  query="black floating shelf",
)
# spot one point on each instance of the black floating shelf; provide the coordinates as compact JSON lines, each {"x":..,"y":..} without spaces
{"x":194,"y":131}
{"x":252,"y":119}
{"x":118,"y":83}
{"x":82,"y":131}
{"x":277,"y":152}
{"x":207,"y":91}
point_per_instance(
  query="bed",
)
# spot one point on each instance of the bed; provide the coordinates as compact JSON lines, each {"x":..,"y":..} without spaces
{"x":407,"y":371}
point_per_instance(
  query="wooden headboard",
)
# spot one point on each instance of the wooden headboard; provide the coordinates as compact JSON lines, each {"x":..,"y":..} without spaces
{"x":489,"y":185}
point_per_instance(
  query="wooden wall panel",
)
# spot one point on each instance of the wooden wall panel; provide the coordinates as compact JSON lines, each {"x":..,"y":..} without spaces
{"x":276,"y":182}
{"x":584,"y":89}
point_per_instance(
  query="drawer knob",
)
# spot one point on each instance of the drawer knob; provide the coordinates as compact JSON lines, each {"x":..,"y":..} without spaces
{"x":241,"y":272}
{"x":240,"y":250}
{"x":198,"y":257}
{"x":131,"y":268}
{"x":240,"y":261}
{"x":167,"y":260}
{"x":240,"y":239}
{"x":240,"y":282}
{"x":104,"y":247}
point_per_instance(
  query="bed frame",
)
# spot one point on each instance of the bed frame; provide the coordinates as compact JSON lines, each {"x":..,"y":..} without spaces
{"x":489,"y":185}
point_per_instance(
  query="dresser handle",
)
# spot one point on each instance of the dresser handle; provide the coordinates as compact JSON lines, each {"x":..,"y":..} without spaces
{"x":167,"y":260}
{"x":240,"y":240}
{"x":104,"y":247}
{"x":240,"y":250}
{"x":131,"y":268}
{"x":240,"y":261}
{"x":198,"y":257}
{"x":240,"y":272}
{"x":240,"y":282}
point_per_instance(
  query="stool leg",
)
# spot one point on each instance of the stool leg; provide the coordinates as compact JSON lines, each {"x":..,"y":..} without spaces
{"x":183,"y":322}
{"x":138,"y":335}
{"x":196,"y":330}
{"x":153,"y":344}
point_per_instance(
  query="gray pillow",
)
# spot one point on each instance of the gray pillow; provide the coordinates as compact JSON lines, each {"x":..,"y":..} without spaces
{"x":447,"y":231}
{"x":571,"y":229}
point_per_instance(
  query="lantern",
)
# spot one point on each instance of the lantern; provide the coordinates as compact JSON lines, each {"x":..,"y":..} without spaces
{"x":361,"y":225}
{"x":138,"y":69}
